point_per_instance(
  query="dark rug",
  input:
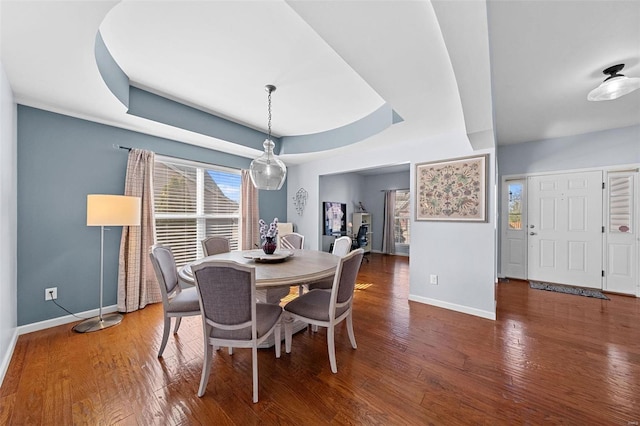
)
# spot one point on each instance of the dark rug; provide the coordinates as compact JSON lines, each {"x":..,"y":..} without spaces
{"x":568,"y":289}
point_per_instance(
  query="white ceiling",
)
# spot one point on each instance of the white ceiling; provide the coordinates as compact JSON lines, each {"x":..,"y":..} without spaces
{"x":333,"y":63}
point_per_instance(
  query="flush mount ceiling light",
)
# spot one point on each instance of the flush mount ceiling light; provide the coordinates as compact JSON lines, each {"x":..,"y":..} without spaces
{"x":268,"y":171}
{"x":614,"y":86}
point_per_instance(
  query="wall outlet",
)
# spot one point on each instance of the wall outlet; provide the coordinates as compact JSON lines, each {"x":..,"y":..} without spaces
{"x":51,"y":293}
{"x":433,"y":279}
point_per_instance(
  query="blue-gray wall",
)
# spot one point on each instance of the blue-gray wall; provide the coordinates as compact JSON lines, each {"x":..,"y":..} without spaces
{"x":60,"y":160}
{"x":597,"y":149}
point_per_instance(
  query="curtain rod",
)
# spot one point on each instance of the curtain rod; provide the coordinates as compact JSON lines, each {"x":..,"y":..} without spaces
{"x":397,"y":189}
{"x":128,"y":148}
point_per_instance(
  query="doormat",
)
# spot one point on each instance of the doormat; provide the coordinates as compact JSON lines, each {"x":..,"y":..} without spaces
{"x":567,"y":289}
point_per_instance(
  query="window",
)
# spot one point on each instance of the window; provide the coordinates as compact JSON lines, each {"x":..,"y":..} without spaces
{"x":402,"y":217}
{"x":192,"y":202}
{"x":620,"y":202}
{"x":515,"y":205}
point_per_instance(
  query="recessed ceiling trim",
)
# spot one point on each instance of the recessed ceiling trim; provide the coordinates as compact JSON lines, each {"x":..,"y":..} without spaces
{"x":158,"y":108}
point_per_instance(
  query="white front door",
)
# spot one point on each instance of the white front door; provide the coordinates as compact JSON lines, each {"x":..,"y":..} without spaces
{"x":514,"y":231}
{"x":621,"y":266}
{"x":565,"y":229}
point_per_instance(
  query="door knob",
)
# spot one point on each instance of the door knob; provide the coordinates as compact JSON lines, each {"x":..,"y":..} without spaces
{"x":533,"y":233}
{"x":532,"y":226}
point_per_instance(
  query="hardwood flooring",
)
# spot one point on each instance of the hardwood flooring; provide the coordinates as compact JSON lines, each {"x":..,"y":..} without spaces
{"x":549,"y":358}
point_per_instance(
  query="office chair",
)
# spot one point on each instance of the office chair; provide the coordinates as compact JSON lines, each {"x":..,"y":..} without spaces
{"x":363,"y":240}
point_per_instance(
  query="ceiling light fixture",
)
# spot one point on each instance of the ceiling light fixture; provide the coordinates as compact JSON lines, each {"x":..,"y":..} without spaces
{"x":268,"y":171}
{"x":614,"y":86}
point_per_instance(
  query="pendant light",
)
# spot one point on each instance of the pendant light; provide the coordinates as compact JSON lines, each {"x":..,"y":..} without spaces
{"x":268,"y":171}
{"x":614,"y":86}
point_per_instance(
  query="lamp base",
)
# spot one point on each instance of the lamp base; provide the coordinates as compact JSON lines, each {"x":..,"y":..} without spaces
{"x":96,"y":323}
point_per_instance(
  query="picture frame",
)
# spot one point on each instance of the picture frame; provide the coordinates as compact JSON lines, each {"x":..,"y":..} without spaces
{"x":453,"y":190}
{"x":334,"y":217}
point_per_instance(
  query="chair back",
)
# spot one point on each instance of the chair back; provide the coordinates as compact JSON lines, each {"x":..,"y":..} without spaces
{"x":227,"y":294}
{"x":341,"y":246}
{"x":164,"y":265}
{"x":362,"y":236}
{"x":215,"y":245}
{"x":292,"y":241}
{"x":344,"y":282}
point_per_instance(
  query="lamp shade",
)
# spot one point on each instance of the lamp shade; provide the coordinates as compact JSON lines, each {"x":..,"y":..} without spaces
{"x":113,"y":210}
{"x":613,"y":88}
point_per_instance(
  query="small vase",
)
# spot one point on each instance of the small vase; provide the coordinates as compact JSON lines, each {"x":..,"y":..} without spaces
{"x":269,"y":245}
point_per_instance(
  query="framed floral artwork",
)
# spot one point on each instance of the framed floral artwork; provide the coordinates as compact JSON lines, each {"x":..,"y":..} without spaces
{"x":452,"y":190}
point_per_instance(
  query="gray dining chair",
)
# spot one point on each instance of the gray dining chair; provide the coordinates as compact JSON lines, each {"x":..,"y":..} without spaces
{"x":341,"y":247}
{"x":328,"y":309}
{"x":230,"y":314}
{"x":176,"y":301}
{"x":215,"y":245}
{"x":292,"y":241}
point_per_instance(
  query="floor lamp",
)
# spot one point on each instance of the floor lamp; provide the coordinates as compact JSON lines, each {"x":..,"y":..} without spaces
{"x":108,"y":210}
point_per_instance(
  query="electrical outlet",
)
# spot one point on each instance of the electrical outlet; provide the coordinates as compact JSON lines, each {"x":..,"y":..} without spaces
{"x":51,"y":293}
{"x":433,"y":279}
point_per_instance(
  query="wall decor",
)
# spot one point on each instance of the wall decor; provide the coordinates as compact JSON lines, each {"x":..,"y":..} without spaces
{"x":300,"y":200}
{"x":334,"y":216}
{"x":452,"y":190}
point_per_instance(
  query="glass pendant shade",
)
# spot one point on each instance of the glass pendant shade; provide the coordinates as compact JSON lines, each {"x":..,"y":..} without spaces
{"x":268,"y":171}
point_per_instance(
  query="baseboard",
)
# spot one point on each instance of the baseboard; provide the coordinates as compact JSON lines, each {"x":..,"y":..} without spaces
{"x":54,"y":322}
{"x":454,"y":307}
{"x":6,"y":359}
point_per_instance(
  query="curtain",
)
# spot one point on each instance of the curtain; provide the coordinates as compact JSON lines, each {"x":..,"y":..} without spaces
{"x":137,"y":285}
{"x":388,"y":227}
{"x":250,"y":213}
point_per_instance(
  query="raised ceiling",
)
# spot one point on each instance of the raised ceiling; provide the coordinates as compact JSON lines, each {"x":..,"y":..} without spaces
{"x":333,"y":63}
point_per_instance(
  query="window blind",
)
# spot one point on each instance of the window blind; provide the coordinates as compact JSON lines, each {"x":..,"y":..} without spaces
{"x":620,"y":202}
{"x":194,"y":201}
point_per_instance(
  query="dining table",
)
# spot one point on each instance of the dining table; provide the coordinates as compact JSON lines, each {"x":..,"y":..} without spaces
{"x":276,"y":273}
{"x":283,"y":268}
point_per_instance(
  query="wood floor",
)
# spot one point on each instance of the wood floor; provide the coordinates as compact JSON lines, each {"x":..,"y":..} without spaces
{"x":549,"y":358}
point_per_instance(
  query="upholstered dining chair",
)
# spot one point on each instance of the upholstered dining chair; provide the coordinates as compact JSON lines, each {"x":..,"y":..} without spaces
{"x":176,"y":302}
{"x":230,"y":314}
{"x":341,"y":246}
{"x":215,"y":245}
{"x":325,"y":309}
{"x":292,"y":241}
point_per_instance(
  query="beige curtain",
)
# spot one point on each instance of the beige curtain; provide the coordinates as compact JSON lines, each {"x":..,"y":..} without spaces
{"x":250,"y":213}
{"x":137,"y":285}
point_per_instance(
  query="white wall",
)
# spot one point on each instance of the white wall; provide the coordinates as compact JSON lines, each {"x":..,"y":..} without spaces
{"x":8,"y":224}
{"x":461,"y":254}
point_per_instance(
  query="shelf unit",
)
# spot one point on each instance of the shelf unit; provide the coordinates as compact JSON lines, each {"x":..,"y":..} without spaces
{"x":359,"y":219}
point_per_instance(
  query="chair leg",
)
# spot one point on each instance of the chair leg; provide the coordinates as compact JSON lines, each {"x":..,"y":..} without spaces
{"x":277,"y":338}
{"x":178,"y":320}
{"x":230,"y":350}
{"x":288,"y":332}
{"x":254,"y":362}
{"x":165,"y":335}
{"x":352,"y":336}
{"x":206,"y":367}
{"x":332,"y":348}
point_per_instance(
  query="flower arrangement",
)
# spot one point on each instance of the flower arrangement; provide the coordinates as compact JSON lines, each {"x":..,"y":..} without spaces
{"x":270,"y":231}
